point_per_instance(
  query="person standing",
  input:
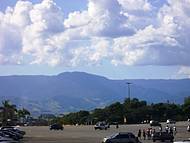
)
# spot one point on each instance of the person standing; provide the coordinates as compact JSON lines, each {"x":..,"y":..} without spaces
{"x":160,"y":128}
{"x":139,"y":133}
{"x":171,"y":130}
{"x":144,"y":134}
{"x":117,"y":125}
{"x":167,"y":128}
{"x":148,"y":134}
{"x":174,"y":130}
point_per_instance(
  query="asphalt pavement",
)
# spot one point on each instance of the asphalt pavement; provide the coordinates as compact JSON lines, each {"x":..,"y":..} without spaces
{"x":87,"y":134}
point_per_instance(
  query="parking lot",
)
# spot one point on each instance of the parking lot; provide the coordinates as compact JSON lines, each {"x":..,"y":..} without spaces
{"x":87,"y":134}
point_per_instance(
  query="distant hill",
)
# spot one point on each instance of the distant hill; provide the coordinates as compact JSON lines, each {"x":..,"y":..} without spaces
{"x":73,"y":91}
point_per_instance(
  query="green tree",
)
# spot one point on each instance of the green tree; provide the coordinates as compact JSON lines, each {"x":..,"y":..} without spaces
{"x":115,"y":112}
{"x":22,"y":113}
{"x":9,"y":112}
{"x":186,"y":106}
{"x":99,"y":115}
{"x":80,"y":117}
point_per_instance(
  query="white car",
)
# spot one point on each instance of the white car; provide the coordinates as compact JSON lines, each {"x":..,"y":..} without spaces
{"x":169,"y":121}
{"x":101,"y":126}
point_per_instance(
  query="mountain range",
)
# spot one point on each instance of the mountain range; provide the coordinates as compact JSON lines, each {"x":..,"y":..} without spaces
{"x":74,"y":91}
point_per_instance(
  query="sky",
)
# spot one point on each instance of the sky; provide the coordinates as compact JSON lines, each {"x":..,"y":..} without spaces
{"x":119,"y":39}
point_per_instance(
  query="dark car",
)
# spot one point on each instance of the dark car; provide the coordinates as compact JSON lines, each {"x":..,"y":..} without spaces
{"x":5,"y":133}
{"x":14,"y":129}
{"x":162,"y":136}
{"x":154,"y":123}
{"x":125,"y":137}
{"x":56,"y":127}
{"x":7,"y":140}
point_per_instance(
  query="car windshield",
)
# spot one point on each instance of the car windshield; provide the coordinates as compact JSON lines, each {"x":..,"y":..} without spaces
{"x":113,"y":135}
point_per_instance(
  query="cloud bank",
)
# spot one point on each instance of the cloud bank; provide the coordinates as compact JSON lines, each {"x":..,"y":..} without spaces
{"x":123,"y":32}
{"x":185,"y":71}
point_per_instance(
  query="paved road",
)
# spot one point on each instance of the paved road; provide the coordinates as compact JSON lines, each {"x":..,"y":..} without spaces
{"x":86,"y":134}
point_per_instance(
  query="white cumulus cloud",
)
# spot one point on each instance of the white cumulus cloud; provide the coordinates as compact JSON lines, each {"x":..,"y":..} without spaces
{"x":164,"y":43}
{"x":184,"y":71}
{"x":128,"y":32}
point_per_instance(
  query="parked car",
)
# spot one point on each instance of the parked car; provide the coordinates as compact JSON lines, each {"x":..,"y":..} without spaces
{"x":101,"y":126}
{"x":10,"y":134}
{"x":162,"y":136}
{"x":7,"y":140}
{"x":56,"y":126}
{"x":15,"y":132}
{"x":15,"y":129}
{"x":169,"y":121}
{"x":122,"y":137}
{"x":20,"y":136}
{"x":154,"y":123}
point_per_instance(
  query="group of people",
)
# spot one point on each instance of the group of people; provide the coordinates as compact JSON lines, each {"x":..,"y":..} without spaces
{"x":171,"y":130}
{"x":147,"y":134}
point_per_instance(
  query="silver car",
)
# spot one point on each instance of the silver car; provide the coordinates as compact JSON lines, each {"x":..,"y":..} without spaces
{"x":101,"y":126}
{"x":122,"y":137}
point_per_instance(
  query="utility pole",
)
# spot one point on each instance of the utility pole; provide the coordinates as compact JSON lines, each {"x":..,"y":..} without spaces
{"x":129,"y":96}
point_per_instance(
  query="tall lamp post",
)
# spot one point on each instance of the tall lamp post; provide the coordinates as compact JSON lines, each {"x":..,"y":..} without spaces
{"x":129,"y":92}
{"x":129,"y":96}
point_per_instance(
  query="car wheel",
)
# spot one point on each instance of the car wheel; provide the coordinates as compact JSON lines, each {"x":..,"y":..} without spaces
{"x":171,"y":140}
{"x":154,"y":140}
{"x":163,"y":140}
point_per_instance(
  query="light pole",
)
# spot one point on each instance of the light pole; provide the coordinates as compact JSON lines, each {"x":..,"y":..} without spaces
{"x":129,"y":96}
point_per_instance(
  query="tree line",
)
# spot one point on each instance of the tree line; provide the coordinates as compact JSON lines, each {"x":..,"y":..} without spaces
{"x":131,"y":111}
{"x":10,"y":115}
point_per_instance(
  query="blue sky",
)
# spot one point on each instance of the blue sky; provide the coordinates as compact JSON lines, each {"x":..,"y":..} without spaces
{"x":66,"y":5}
{"x":115,"y":38}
